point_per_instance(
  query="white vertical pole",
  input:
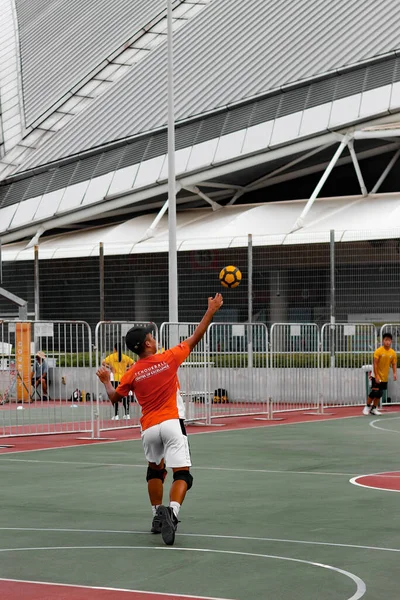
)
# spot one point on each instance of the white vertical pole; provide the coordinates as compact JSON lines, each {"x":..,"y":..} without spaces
{"x":172,"y":257}
{"x":250,"y":301}
{"x":36,"y":285}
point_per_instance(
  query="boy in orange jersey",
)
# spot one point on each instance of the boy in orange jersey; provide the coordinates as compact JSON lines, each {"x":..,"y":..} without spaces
{"x":384,"y":357}
{"x":153,"y":379}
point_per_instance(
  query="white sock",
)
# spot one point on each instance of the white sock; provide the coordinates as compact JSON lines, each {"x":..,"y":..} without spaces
{"x":175,"y":507}
{"x":154,"y":509}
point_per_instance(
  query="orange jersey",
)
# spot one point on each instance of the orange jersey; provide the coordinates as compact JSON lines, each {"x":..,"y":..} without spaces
{"x":154,"y":381}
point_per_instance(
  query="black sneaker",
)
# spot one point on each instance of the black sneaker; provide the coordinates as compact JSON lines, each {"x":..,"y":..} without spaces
{"x":169,"y":523}
{"x":156,"y":525}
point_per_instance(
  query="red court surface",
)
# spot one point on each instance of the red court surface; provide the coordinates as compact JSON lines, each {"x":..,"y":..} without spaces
{"x":16,"y":590}
{"x":60,"y":440}
{"x":380,"y":481}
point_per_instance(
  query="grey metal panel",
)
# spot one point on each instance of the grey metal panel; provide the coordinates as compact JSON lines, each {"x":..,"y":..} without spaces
{"x":134,"y":153}
{"x":396,"y":76}
{"x":321,"y":92}
{"x":85,"y":169}
{"x":4,"y":190}
{"x":211,"y":128}
{"x":265,"y":110}
{"x":158,"y":145}
{"x":380,"y":74}
{"x":262,"y":45}
{"x":293,"y":101}
{"x":61,"y":177}
{"x":348,"y":84}
{"x":238,"y":118}
{"x":38,"y":184}
{"x":186,"y":134}
{"x":109,"y":161}
{"x":63,"y":40}
{"x":16,"y":192}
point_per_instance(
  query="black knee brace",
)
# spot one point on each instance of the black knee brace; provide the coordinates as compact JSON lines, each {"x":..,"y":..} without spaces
{"x":184,"y":476}
{"x":375,"y":393}
{"x":156,"y":474}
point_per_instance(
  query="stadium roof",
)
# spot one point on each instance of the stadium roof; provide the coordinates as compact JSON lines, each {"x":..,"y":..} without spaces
{"x":230,"y":51}
{"x":353,"y":219}
{"x":266,"y":91}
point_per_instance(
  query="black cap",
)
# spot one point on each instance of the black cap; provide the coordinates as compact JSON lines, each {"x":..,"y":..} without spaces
{"x":136,"y":337}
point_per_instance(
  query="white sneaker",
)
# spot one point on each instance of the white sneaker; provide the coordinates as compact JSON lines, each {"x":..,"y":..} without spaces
{"x":115,"y":418}
{"x":366,"y":410}
{"x":375,"y":411}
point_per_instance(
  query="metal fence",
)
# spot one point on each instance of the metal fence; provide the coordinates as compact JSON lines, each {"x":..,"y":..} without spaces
{"x":346,"y":357}
{"x":51,"y":392}
{"x":236,"y":370}
{"x":108,"y":335}
{"x":295,"y":365}
{"x":193,"y":373}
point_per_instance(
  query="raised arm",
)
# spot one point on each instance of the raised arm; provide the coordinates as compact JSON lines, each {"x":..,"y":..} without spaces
{"x":214,"y":304}
{"x":104,"y":375}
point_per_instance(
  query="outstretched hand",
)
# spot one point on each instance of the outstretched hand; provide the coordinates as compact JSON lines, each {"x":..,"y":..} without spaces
{"x":214,"y":304}
{"x":103,"y":373}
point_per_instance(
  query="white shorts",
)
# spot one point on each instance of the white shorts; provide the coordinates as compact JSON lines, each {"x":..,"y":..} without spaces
{"x":168,"y":441}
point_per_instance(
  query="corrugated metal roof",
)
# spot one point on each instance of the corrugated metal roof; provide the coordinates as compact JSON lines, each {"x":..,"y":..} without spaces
{"x":230,"y":51}
{"x":63,"y":40}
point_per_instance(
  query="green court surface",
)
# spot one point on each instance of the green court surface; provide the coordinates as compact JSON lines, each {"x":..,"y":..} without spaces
{"x":52,"y":415}
{"x":272,"y":515}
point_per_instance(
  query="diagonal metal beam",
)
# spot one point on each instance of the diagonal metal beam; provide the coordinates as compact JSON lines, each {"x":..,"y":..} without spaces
{"x":357,"y":169}
{"x":386,"y":172}
{"x":149,"y":233}
{"x":12,"y":297}
{"x":320,"y":167}
{"x":300,"y":221}
{"x":195,"y":190}
{"x":222,"y":186}
{"x":259,"y":183}
{"x":254,"y":185}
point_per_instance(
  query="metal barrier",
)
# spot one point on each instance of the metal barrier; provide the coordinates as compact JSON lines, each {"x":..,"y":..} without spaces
{"x":346,"y":349}
{"x":59,"y":397}
{"x":193,"y":373}
{"x":231,"y":372}
{"x":237,"y":363}
{"x":107,"y":416}
{"x":294,"y":367}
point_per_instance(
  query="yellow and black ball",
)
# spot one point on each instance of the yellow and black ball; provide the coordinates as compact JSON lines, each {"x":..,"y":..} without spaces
{"x":230,"y":277}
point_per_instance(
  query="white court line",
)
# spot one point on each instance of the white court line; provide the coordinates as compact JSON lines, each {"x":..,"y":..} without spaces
{"x":204,"y":535}
{"x":360,"y":584}
{"x":354,"y":481}
{"x":224,"y":430}
{"x":109,"y":589}
{"x":372,"y":424}
{"x":143,"y":466}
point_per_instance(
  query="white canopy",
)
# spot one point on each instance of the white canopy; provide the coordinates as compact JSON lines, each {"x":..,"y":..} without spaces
{"x":353,"y":218}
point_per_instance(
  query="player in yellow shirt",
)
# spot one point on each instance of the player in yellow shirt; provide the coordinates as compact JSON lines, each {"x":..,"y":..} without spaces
{"x":118,"y":364}
{"x":384,"y":357}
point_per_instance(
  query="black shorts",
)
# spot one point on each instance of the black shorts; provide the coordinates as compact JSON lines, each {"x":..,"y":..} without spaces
{"x":382,"y":386}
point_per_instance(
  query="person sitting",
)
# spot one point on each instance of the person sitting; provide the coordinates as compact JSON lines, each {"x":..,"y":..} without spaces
{"x":40,"y":374}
